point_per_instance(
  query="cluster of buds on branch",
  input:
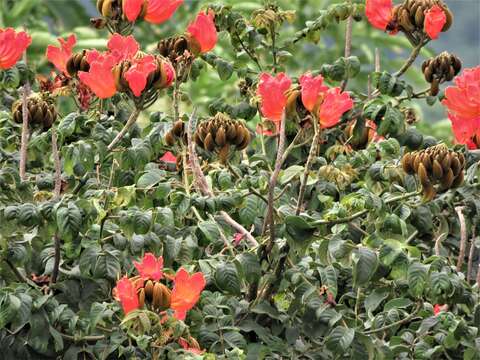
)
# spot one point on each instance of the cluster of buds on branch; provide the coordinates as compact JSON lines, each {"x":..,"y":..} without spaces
{"x":41,"y":111}
{"x":435,"y":165}
{"x":439,"y":69}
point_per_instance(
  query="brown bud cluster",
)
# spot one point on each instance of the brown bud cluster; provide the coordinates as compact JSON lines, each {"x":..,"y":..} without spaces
{"x":77,"y":62}
{"x":176,"y":134}
{"x":113,"y":9}
{"x":220,"y":134}
{"x":40,"y":112}
{"x":409,"y":18}
{"x":367,"y":136}
{"x":437,"y":168}
{"x":179,"y":49}
{"x":295,"y":109}
{"x":152,"y":293}
{"x":441,"y":68}
{"x":158,"y":79}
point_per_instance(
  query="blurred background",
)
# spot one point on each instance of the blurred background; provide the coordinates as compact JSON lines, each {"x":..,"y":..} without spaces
{"x":48,"y":19}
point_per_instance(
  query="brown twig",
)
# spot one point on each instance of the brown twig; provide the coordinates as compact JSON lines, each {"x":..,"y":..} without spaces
{"x":56,"y":263}
{"x":202,"y":184}
{"x":411,"y":59}
{"x":348,"y":44}
{"x":25,"y":131}
{"x":19,"y":275}
{"x":397,"y":323}
{"x":478,"y":277}
{"x":311,"y":155}
{"x":470,"y":257}
{"x":463,"y":237}
{"x":57,"y":164}
{"x":131,"y":120}
{"x":377,"y":60}
{"x":438,"y":242}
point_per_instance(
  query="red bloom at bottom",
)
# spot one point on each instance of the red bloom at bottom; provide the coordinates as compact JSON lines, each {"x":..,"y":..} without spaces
{"x":99,"y":77}
{"x":126,"y":293}
{"x":168,"y":157}
{"x":186,"y":346}
{"x":186,"y":292}
{"x":439,"y":308}
{"x":137,"y":74}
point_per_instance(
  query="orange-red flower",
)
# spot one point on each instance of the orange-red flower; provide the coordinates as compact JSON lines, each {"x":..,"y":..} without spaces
{"x":204,"y":31}
{"x":170,"y":72}
{"x":126,"y":293}
{"x":122,"y":47}
{"x":132,"y":9}
{"x":435,"y":20}
{"x":186,"y":292}
{"x":379,"y":13}
{"x":137,"y":74}
{"x":463,"y":105}
{"x":150,"y":268}
{"x":272,"y":92}
{"x":159,"y":11}
{"x":186,"y":346}
{"x":334,"y":104}
{"x":312,"y":87}
{"x":168,"y":157}
{"x":59,"y":56}
{"x":12,"y":46}
{"x":99,"y":77}
{"x":437,"y":309}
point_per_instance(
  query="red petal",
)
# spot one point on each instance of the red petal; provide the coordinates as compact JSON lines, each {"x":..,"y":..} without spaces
{"x":122,"y":47}
{"x":379,"y":13}
{"x":132,"y":8}
{"x":334,"y":105}
{"x":312,"y":87}
{"x":59,"y":56}
{"x":272,"y":92}
{"x":12,"y":46}
{"x":159,"y":11}
{"x":168,"y":157}
{"x":204,"y":31}
{"x":435,"y":20}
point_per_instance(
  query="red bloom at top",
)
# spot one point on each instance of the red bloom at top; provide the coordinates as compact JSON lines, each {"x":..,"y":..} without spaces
{"x":126,"y":293}
{"x":59,"y":56}
{"x":150,"y":268}
{"x":334,"y":105}
{"x":137,"y":74}
{"x":312,"y":87}
{"x":99,"y":77}
{"x":122,"y":47}
{"x":186,"y":292}
{"x":159,"y":11}
{"x":463,"y":105}
{"x":379,"y":13}
{"x":272,"y":92}
{"x":132,"y":9}
{"x":203,"y":30}
{"x":12,"y":46}
{"x":435,"y":20}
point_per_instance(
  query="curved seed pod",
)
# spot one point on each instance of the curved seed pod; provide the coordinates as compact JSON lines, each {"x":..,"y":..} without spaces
{"x":447,"y":180}
{"x":419,"y":17}
{"x":423,"y":176}
{"x":246,"y":140}
{"x":178,"y":128}
{"x":149,"y":289}
{"x":157,"y":295}
{"x":437,"y":170}
{"x":198,"y":140}
{"x":455,"y":165}
{"x":417,"y":159}
{"x":224,"y":153}
{"x":107,"y":8}
{"x":428,"y":73}
{"x":405,"y":21}
{"x":291,"y":107}
{"x":231,"y":132}
{"x":458,"y":180}
{"x":446,"y":162}
{"x":461,"y":158}
{"x":209,"y":143}
{"x":141,"y":297}
{"x":220,"y":137}
{"x":429,"y":193}
{"x":427,"y":162}
{"x":165,"y":299}
{"x":240,"y":135}
{"x":435,"y":87}
{"x":169,"y":139}
{"x":407,"y":164}
{"x":449,"y":16}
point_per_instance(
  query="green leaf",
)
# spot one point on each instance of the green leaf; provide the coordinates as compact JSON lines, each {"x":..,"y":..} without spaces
{"x":365,"y":263}
{"x":69,"y":221}
{"x":226,"y":278}
{"x":417,"y":278}
{"x":375,"y":298}
{"x":299,"y":231}
{"x":398,"y":303}
{"x":150,"y":178}
{"x":329,"y":278}
{"x":340,"y":339}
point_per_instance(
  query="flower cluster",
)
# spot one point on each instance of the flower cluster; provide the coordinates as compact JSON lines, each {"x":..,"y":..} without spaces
{"x":416,"y":18}
{"x":146,"y":288}
{"x":12,"y":46}
{"x":324,"y":103}
{"x":463,"y":105}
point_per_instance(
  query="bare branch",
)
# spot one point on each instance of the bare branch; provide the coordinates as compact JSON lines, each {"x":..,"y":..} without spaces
{"x":463,"y":237}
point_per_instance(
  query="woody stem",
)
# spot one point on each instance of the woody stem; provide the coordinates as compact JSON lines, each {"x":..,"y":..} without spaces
{"x":57,"y":164}
{"x":348,"y":44}
{"x":131,"y":120}
{"x":25,"y":132}
{"x":411,"y":58}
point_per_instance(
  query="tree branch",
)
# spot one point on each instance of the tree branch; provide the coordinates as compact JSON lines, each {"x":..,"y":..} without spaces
{"x":348,"y":44}
{"x":131,"y":120}
{"x":463,"y":237}
{"x":25,"y":131}
{"x":411,"y":58}
{"x":57,"y":164}
{"x":56,"y":263}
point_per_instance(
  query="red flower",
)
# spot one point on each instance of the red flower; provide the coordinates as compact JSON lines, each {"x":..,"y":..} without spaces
{"x":168,"y":157}
{"x":170,"y":73}
{"x":186,"y":346}
{"x":126,"y":293}
{"x":237,"y":238}
{"x":463,"y":105}
{"x":334,"y":105}
{"x":379,"y":13}
{"x":122,"y":47}
{"x":99,"y":77}
{"x":59,"y":56}
{"x":132,"y":9}
{"x":150,"y":268}
{"x":186,"y":292}
{"x":203,"y":30}
{"x":272,"y":92}
{"x":312,"y":87}
{"x":12,"y":46}
{"x":159,"y":11}
{"x":435,"y":20}
{"x":137,"y":74}
{"x":439,"y":308}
